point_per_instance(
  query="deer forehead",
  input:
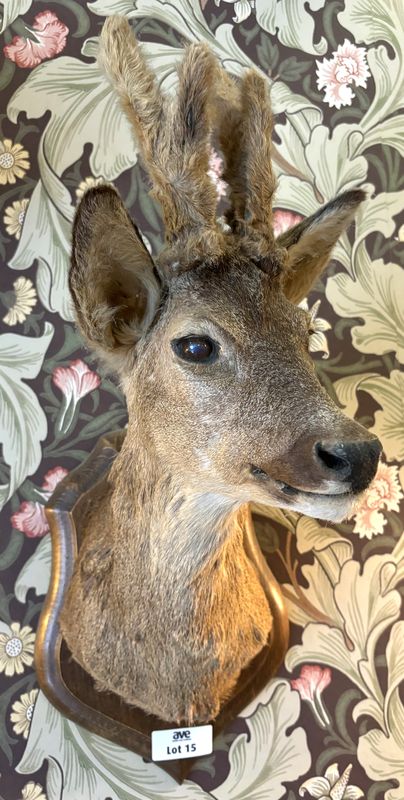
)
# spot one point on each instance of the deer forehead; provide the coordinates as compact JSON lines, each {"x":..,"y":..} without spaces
{"x":238,"y":301}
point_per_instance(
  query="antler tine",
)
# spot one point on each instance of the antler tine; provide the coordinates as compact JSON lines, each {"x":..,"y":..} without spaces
{"x":141,"y":98}
{"x":174,"y":137}
{"x":245,"y":132}
{"x":257,"y":146}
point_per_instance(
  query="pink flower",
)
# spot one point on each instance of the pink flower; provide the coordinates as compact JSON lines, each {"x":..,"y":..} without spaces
{"x":312,"y":680}
{"x":74,"y":381}
{"x":336,"y":74}
{"x":30,"y":519}
{"x":215,"y":172}
{"x":310,"y":684}
{"x":283,"y":220}
{"x":51,"y":480}
{"x":77,"y":380}
{"x":50,"y":39}
{"x":384,"y":492}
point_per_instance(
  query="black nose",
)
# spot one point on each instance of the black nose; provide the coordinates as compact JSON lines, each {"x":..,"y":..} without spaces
{"x":350,"y":462}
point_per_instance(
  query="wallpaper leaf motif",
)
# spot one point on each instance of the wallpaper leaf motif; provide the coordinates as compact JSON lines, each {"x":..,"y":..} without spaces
{"x":45,"y":237}
{"x":292,"y":23}
{"x":262,"y":760}
{"x":366,"y":26}
{"x":23,"y":423}
{"x":85,"y":767}
{"x":389,"y":419}
{"x":10,"y":10}
{"x":382,"y":750}
{"x":83,"y":109}
{"x":378,"y":214}
{"x":374,"y":296}
{"x":35,"y":573}
{"x":364,"y":606}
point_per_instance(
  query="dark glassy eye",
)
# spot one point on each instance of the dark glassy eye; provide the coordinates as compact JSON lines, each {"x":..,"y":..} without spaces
{"x":196,"y":349}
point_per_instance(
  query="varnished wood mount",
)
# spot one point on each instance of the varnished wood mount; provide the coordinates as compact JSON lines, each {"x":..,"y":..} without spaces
{"x":67,"y":686}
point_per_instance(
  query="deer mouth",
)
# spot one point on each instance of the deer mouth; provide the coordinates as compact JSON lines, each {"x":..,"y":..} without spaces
{"x":291,"y":491}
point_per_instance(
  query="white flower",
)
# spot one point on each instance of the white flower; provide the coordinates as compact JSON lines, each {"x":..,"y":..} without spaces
{"x":33,"y":791}
{"x":13,"y":161}
{"x":14,"y":216}
{"x":384,"y":492}
{"x":22,"y":711}
{"x":318,"y":340}
{"x":242,"y":8}
{"x":20,"y":301}
{"x":337,"y":74}
{"x":332,"y":786}
{"x":16,"y":648}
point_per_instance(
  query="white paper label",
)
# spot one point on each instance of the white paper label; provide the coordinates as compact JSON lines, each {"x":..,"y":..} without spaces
{"x":182,"y":743}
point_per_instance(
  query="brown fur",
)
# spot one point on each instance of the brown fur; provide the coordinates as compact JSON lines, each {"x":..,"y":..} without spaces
{"x":165,"y":607}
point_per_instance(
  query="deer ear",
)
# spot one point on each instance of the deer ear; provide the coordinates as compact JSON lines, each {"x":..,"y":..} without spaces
{"x":309,"y":244}
{"x":114,"y":284}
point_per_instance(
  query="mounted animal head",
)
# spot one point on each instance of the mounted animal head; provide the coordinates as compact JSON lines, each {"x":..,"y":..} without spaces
{"x":209,"y":342}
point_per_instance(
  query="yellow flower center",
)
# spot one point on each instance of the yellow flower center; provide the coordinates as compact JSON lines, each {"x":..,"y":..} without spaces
{"x":6,"y":160}
{"x":13,"y":647}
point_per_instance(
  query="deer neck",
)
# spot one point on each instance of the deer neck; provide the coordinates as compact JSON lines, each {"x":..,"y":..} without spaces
{"x":166,"y":520}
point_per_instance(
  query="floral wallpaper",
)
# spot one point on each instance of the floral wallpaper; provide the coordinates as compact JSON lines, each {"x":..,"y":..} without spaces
{"x":331,"y":725}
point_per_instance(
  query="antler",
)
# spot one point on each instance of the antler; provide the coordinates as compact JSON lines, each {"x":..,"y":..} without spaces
{"x":174,"y":138}
{"x":244,"y":118}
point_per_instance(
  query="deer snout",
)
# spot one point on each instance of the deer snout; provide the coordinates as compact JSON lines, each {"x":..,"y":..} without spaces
{"x":325,"y":466}
{"x":354,"y":463}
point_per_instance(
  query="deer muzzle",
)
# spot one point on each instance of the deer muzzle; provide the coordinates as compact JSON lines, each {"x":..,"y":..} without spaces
{"x":321,"y":465}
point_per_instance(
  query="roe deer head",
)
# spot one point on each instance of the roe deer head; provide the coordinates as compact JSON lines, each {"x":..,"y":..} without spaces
{"x":224,"y":404}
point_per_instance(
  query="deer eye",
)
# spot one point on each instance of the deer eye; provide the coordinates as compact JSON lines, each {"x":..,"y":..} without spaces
{"x":196,"y":349}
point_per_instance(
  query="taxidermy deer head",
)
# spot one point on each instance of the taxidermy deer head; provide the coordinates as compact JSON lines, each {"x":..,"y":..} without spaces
{"x":224,"y":404}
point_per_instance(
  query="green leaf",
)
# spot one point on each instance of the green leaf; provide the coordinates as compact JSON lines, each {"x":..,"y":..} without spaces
{"x":274,"y":751}
{"x":268,"y":54}
{"x":22,"y":422}
{"x":381,"y":753}
{"x":35,"y":574}
{"x":374,"y":296}
{"x":334,"y":159}
{"x":84,"y":109}
{"x":389,"y":394}
{"x":292,"y":70}
{"x":315,"y":165}
{"x":291,"y":23}
{"x":109,"y":420}
{"x":376,"y":214}
{"x":83,"y":765}
{"x":10,"y":10}
{"x":363,"y":606}
{"x":389,"y":133}
{"x":45,"y":237}
{"x":365,"y":25}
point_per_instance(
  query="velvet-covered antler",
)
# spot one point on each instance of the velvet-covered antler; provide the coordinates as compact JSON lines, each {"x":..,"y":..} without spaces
{"x":244,"y":120}
{"x":173,"y":136}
